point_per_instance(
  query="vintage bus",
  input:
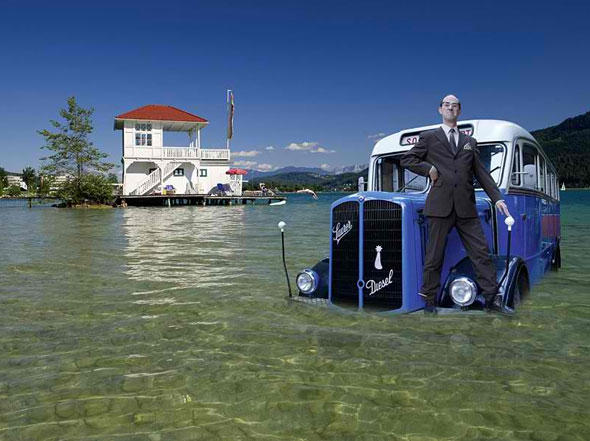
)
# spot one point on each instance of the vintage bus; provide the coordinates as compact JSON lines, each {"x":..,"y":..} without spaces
{"x":379,"y":236}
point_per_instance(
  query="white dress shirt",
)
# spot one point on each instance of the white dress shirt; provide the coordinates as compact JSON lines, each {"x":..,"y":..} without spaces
{"x":447,"y":129}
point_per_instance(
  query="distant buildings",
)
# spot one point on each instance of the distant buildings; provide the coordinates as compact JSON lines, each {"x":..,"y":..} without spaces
{"x":16,"y":180}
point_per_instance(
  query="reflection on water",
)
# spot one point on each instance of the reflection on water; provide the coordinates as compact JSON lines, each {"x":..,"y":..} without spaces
{"x":184,"y":247}
{"x":172,"y":324}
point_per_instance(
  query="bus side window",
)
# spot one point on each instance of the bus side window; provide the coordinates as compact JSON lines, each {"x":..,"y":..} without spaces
{"x":516,"y":166}
{"x":529,"y":167}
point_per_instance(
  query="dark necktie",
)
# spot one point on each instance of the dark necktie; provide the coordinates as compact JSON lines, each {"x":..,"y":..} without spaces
{"x":452,"y":141}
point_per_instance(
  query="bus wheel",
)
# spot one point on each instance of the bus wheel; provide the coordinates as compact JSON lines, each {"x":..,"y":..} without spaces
{"x":520,"y":290}
{"x":556,"y":259}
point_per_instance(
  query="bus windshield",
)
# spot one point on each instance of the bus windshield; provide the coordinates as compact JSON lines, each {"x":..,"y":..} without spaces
{"x":391,"y":176}
{"x":492,"y":157}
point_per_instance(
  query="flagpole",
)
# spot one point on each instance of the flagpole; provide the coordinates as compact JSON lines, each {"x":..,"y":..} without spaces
{"x":229,"y":116}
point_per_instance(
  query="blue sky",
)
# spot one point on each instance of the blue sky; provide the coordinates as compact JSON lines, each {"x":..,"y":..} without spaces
{"x":309,"y":74}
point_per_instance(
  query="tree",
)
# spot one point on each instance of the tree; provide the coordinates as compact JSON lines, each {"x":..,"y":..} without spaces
{"x":92,"y":187}
{"x":3,"y":178}
{"x":45,"y":184}
{"x":113,"y":178}
{"x":73,"y":153}
{"x":13,"y":190}
{"x":30,"y":178}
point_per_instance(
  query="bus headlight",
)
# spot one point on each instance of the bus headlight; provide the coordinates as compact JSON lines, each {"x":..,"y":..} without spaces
{"x":463,"y":291}
{"x":307,"y":281}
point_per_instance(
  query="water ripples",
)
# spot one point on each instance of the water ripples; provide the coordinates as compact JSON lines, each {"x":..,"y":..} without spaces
{"x":172,"y":324}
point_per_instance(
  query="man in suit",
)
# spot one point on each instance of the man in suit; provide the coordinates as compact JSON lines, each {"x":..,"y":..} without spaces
{"x":451,"y":159}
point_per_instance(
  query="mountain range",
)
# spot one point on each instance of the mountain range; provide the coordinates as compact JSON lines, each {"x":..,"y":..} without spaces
{"x":254,"y":174}
{"x":568,"y":146}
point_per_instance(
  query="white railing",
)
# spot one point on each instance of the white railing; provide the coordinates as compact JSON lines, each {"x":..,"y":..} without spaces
{"x":148,"y":183}
{"x":214,"y":154}
{"x":161,"y":152}
{"x":153,"y":179}
{"x":180,"y":152}
{"x":144,"y":152}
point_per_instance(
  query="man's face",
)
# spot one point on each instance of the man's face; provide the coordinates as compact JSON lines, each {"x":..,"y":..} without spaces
{"x":450,"y":108}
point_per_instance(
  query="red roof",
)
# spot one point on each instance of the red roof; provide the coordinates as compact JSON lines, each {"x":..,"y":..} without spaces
{"x":161,"y":113}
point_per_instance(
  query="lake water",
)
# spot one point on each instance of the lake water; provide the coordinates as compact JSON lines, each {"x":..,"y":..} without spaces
{"x":173,"y":324}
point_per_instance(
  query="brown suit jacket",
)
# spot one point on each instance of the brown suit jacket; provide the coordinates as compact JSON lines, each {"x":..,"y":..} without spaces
{"x":454,"y":187}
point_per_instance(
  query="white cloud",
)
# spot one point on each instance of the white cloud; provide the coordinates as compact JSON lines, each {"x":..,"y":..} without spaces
{"x":246,"y":154}
{"x":301,"y":146}
{"x":376,"y":136}
{"x":248,"y":164}
{"x":270,"y":148}
{"x":312,"y":147}
{"x":322,"y":150}
{"x":326,"y":167}
{"x":255,"y":165}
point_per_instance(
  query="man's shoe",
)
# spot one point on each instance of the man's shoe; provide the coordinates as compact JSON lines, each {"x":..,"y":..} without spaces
{"x":430,"y":310}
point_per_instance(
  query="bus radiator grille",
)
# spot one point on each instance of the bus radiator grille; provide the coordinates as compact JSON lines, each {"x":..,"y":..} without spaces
{"x":382,"y":227}
{"x":345,"y":254}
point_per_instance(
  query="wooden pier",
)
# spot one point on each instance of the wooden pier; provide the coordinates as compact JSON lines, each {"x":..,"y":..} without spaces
{"x":170,"y":200}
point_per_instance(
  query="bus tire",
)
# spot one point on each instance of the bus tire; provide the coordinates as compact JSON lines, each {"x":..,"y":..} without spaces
{"x":521,"y":289}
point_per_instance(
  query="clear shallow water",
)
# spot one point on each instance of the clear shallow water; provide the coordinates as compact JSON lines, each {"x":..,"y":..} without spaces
{"x":172,"y":324}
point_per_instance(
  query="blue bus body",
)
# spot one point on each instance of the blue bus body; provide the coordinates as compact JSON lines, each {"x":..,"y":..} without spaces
{"x":379,"y":237}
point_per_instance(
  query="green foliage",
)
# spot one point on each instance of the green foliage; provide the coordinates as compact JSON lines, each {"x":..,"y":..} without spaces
{"x":45,"y":184}
{"x":568,"y":146}
{"x":3,"y":178}
{"x":13,"y":190}
{"x":112,"y":178}
{"x":30,"y":178}
{"x":93,"y":188}
{"x":73,"y":153}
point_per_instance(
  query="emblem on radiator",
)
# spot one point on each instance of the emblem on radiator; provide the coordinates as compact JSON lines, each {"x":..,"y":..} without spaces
{"x":374,"y":286}
{"x":378,"y":266}
{"x":340,"y":231}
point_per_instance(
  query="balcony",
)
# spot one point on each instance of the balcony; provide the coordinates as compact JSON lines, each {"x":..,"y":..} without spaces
{"x":176,"y":153}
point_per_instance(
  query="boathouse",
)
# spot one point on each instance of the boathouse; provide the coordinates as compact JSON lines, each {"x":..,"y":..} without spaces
{"x":152,"y":168}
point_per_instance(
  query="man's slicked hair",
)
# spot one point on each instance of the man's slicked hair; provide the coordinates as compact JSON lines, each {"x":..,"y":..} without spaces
{"x":443,"y":100}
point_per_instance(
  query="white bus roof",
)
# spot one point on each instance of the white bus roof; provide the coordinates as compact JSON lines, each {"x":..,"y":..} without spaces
{"x":484,"y":130}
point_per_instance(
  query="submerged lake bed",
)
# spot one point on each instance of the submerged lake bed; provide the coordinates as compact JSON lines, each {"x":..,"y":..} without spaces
{"x":173,"y":324}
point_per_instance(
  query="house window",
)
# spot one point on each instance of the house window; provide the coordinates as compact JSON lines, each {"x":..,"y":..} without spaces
{"x":151,"y":170}
{"x":179,"y":172}
{"x":203,"y":173}
{"x":143,"y":135}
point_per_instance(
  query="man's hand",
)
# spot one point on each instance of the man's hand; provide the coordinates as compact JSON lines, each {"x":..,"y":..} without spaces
{"x":433,"y":174}
{"x":503,"y":208}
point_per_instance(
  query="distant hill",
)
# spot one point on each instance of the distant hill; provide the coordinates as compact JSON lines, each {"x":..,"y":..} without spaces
{"x":298,"y":180}
{"x":568,"y":146}
{"x":356,"y":168}
{"x":252,"y":174}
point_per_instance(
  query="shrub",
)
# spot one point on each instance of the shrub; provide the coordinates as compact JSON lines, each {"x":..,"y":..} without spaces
{"x":13,"y":190}
{"x":90,"y":187}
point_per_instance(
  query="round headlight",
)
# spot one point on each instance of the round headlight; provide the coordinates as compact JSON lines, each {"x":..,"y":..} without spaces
{"x":463,"y":291}
{"x":307,"y":281}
